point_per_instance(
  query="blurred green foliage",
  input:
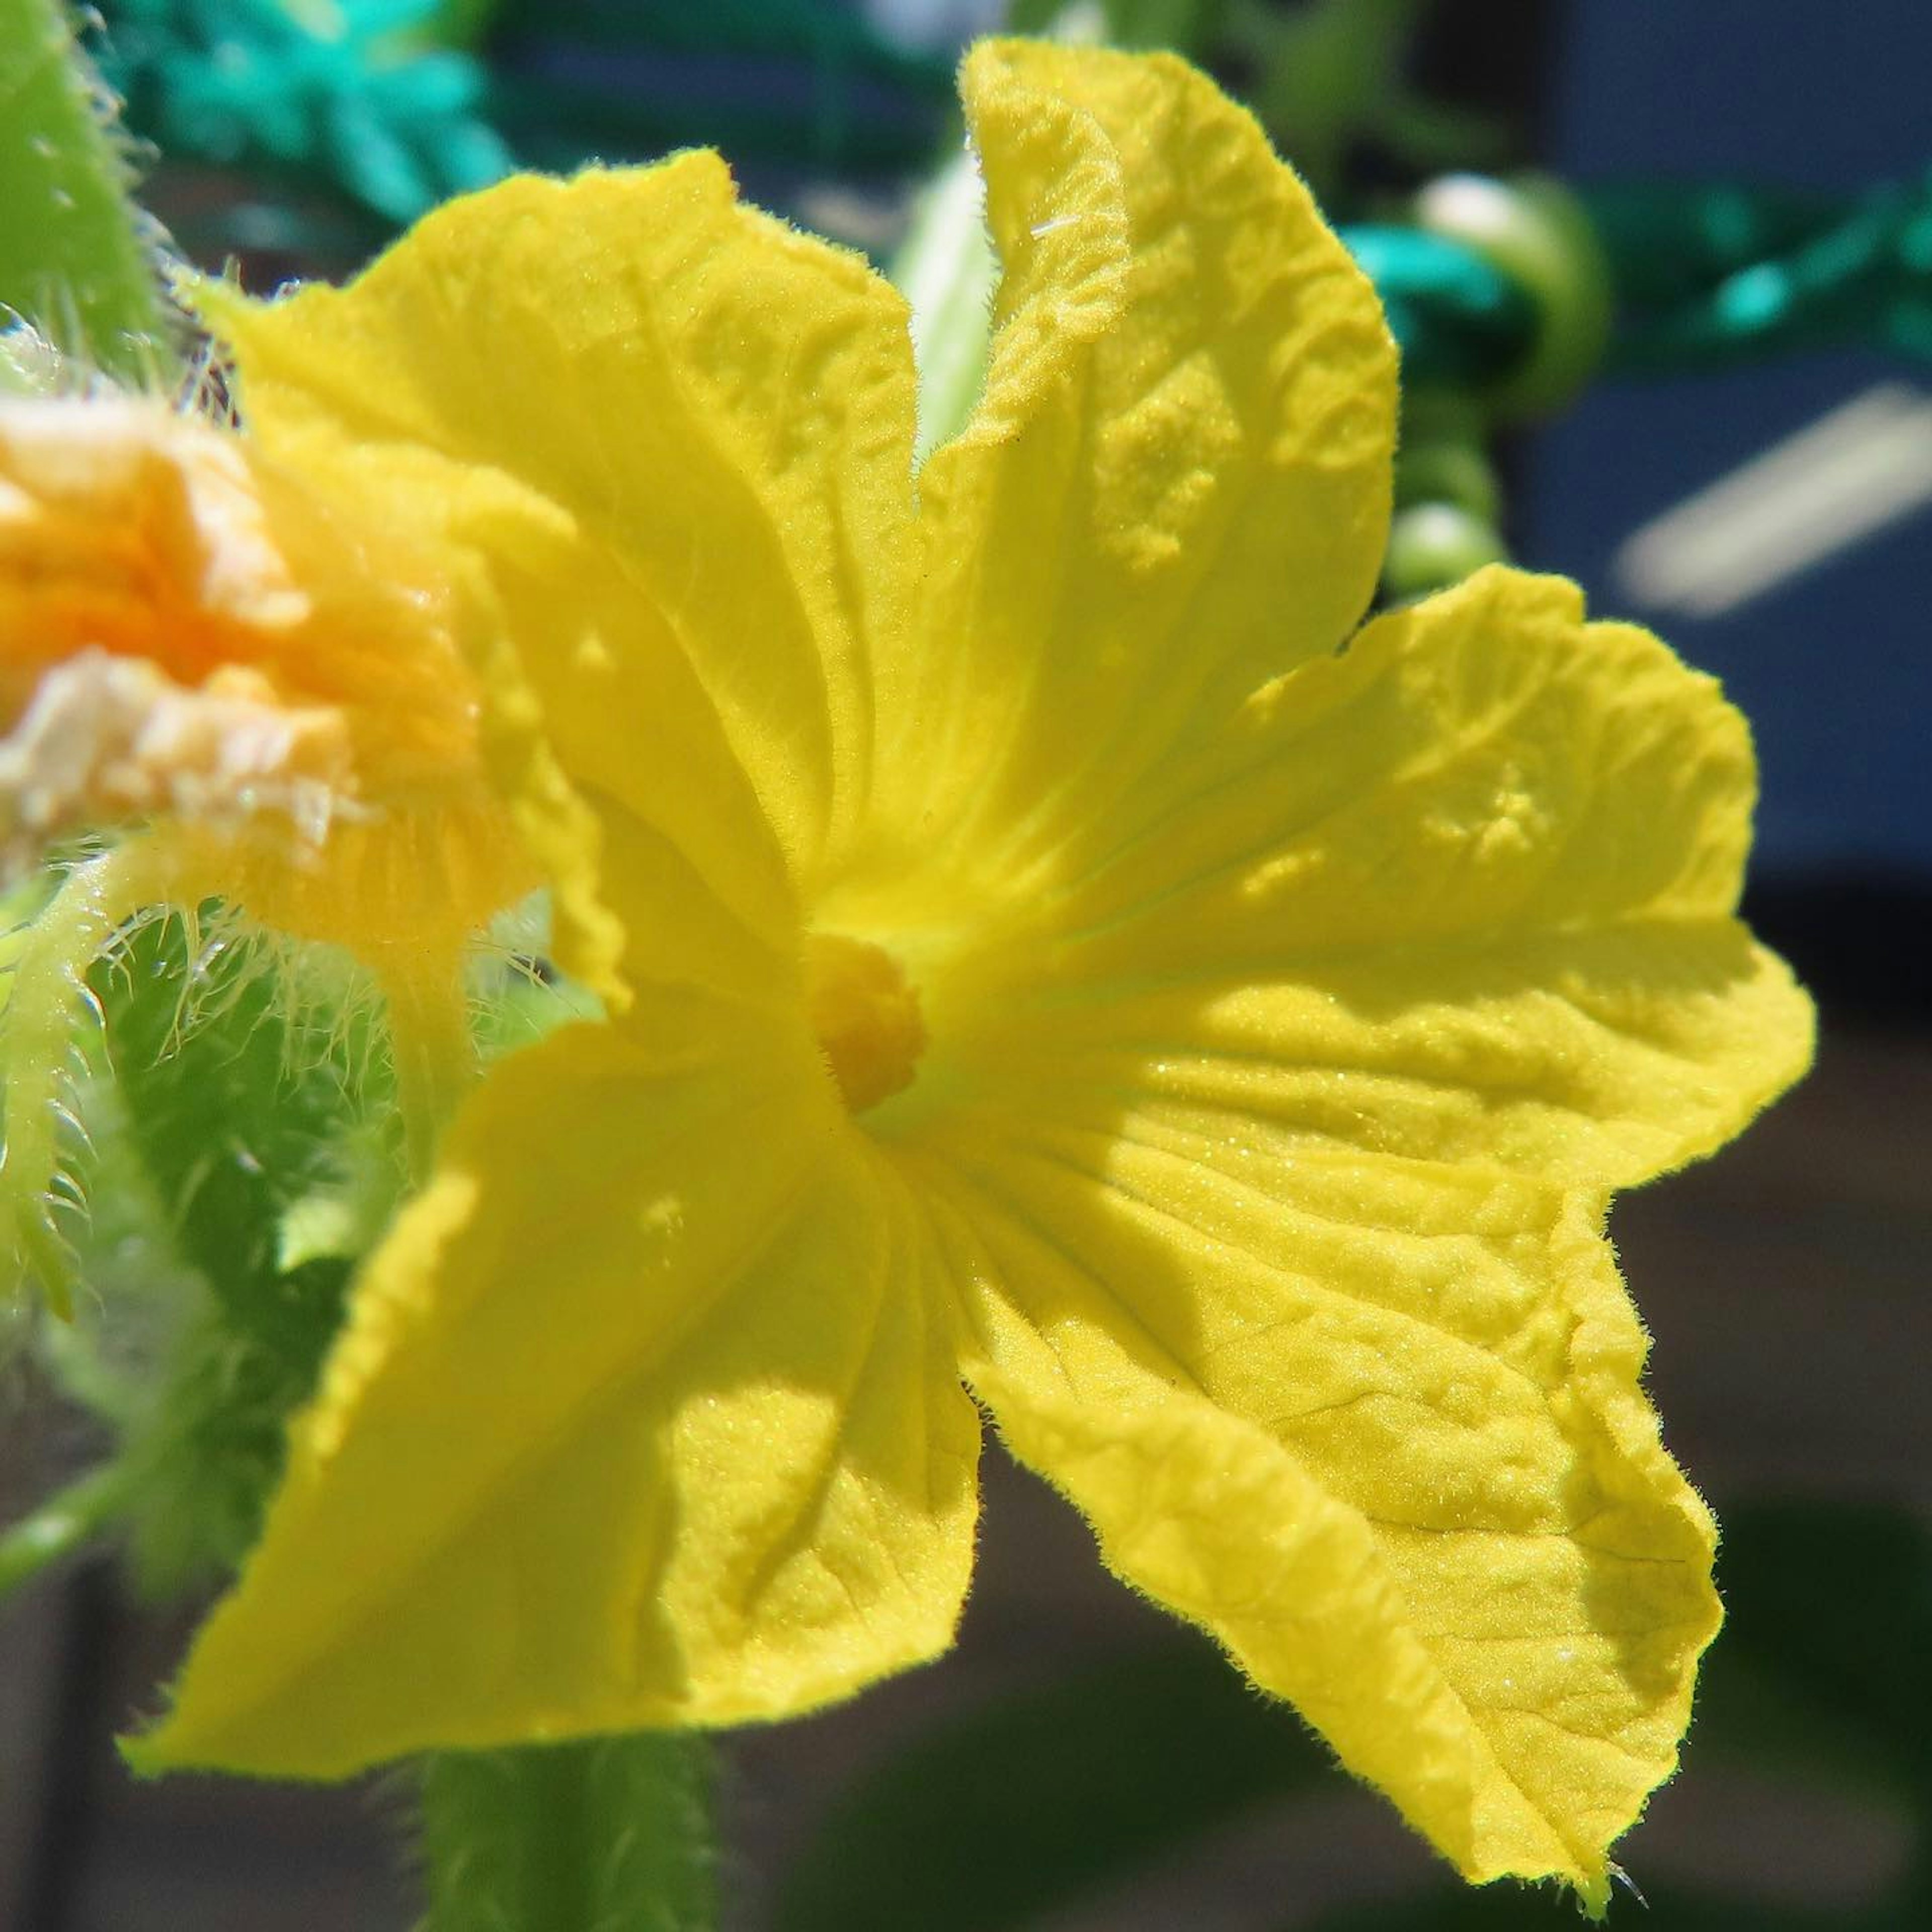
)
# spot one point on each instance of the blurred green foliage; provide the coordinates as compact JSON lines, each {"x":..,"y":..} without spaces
{"x":1008,"y":1811}
{"x":994,"y":1819}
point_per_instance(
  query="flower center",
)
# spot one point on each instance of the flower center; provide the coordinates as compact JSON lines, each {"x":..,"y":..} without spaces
{"x":865,"y":1015}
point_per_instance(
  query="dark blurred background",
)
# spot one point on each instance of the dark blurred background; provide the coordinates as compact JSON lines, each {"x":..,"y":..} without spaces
{"x":1078,"y":1766}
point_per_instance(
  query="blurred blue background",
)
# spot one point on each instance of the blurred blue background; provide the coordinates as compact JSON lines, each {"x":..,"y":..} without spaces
{"x":1833,"y":666}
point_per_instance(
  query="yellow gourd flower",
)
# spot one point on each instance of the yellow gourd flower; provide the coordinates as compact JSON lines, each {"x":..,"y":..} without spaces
{"x":1057,"y":956}
{"x":270,"y":696}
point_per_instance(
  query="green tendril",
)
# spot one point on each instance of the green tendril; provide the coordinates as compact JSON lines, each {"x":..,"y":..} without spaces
{"x":239,"y":1119}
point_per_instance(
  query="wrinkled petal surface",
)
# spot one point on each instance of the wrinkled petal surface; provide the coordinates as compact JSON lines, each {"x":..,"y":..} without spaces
{"x":1376,"y":1426}
{"x":690,"y":422}
{"x":1177,"y":481}
{"x":1465,"y":892}
{"x":646,"y":1414}
{"x":1282,"y":1135}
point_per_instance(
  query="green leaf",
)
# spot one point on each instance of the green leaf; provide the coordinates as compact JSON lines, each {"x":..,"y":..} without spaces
{"x":1008,"y":1811}
{"x":611,"y":1835}
{"x":77,"y":258}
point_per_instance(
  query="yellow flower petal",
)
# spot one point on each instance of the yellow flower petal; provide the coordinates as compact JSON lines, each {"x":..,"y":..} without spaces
{"x":1464,"y":892}
{"x":656,"y":827}
{"x":646,"y":1414}
{"x":1178,"y":482}
{"x":1378,"y":1427}
{"x":724,"y":406}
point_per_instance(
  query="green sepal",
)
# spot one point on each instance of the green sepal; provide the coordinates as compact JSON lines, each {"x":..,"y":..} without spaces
{"x":229,"y":1112}
{"x":78,"y":259}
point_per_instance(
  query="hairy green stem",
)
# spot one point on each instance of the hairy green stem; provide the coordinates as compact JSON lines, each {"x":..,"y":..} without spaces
{"x":77,"y":258}
{"x":611,"y":1834}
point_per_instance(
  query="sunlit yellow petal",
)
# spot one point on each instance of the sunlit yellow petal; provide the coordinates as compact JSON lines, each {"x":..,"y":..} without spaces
{"x":1178,"y":482}
{"x":1376,"y":1426}
{"x":644,"y":1416}
{"x":686,"y":859}
{"x":1465,"y":892}
{"x":724,"y":406}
